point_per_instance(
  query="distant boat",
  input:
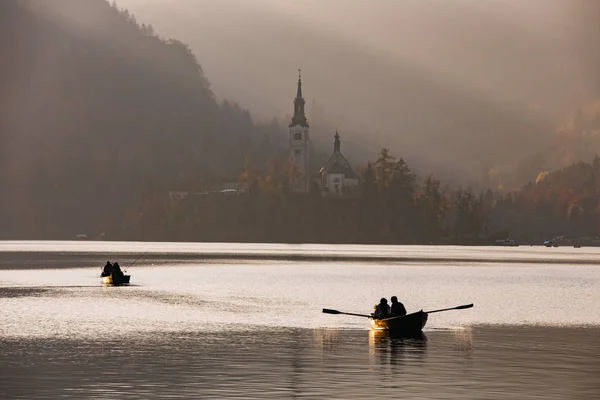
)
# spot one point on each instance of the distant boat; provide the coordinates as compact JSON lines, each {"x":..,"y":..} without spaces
{"x":109,"y":280}
{"x":407,"y":324}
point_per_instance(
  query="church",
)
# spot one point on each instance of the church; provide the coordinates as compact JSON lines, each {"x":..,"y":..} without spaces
{"x":336,"y":177}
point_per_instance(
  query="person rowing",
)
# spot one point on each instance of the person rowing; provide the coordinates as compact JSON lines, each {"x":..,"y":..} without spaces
{"x":398,"y":309}
{"x":382,"y":310}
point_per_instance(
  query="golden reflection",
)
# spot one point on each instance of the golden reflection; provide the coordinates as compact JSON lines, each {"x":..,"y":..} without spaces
{"x":386,"y":347}
{"x":375,"y":338}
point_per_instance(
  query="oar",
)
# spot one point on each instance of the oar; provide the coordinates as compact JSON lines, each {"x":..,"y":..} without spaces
{"x":328,"y":311}
{"x":451,"y":308}
{"x":434,"y":311}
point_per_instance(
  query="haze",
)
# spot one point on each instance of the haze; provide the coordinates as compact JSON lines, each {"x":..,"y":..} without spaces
{"x":480,"y":82}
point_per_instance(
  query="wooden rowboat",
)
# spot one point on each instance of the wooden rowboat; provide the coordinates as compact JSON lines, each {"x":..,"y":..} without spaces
{"x":109,"y":280}
{"x":408,"y":324}
{"x":405,"y":325}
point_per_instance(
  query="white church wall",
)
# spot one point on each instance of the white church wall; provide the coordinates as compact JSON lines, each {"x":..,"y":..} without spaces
{"x":334,"y":183}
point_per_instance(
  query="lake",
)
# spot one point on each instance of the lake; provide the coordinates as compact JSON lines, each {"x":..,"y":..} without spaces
{"x":245,"y":321}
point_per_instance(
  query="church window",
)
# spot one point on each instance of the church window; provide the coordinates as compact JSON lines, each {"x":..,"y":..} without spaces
{"x":297,"y":152}
{"x":297,"y":135}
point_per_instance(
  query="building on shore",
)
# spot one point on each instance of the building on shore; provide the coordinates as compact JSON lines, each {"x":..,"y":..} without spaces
{"x":298,"y":148}
{"x":336,"y":177}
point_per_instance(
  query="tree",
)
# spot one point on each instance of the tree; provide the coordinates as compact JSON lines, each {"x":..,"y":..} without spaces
{"x":432,"y":206}
{"x":470,"y":215}
{"x":369,"y":184}
{"x":384,"y":169}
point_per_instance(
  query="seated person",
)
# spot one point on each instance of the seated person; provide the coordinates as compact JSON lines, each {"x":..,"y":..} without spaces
{"x":107,"y":270}
{"x":382,"y":310}
{"x":117,"y":273}
{"x":397,"y":307}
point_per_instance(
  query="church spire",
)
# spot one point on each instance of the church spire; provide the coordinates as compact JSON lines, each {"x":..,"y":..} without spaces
{"x":336,"y":142}
{"x":299,"y":92}
{"x":299,"y":117}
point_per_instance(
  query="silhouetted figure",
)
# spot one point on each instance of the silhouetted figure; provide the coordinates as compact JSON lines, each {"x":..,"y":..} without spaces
{"x":397,"y":307}
{"x":108,"y":268}
{"x":383,"y":310}
{"x":117,"y":273}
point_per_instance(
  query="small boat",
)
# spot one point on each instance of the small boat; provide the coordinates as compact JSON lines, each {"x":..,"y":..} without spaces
{"x":109,"y":280}
{"x":407,"y":324}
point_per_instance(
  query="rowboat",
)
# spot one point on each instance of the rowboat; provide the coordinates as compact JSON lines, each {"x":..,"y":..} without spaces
{"x":409,"y":323}
{"x":109,"y":280}
{"x":404,"y":325}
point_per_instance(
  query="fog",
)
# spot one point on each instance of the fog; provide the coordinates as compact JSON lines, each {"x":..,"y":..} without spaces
{"x":452,"y":86}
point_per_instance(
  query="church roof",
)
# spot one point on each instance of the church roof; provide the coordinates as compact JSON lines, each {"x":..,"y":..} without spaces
{"x":337,"y":163}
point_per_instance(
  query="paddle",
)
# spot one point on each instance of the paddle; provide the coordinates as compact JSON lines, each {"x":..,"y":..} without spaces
{"x":434,"y":311}
{"x":328,"y":311}
{"x":451,"y":308}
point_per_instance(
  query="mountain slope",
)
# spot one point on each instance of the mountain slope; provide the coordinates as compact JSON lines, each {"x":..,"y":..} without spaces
{"x":96,"y":110}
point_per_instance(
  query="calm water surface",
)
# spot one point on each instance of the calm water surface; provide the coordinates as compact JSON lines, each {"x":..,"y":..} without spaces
{"x":208,"y":328}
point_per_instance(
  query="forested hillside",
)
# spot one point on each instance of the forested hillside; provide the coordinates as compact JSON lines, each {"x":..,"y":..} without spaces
{"x":396,"y":206}
{"x":95,"y":109}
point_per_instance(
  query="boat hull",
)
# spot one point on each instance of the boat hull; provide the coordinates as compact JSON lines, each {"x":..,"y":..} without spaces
{"x":110,"y":280}
{"x":408,"y":324}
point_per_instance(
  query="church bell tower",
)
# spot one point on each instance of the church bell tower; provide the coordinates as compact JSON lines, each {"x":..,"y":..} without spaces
{"x":299,"y":143}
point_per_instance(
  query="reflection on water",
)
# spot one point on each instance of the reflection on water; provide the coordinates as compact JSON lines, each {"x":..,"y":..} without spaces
{"x":180,"y":297}
{"x":486,"y":363}
{"x":395,"y":349}
{"x":464,"y":340}
{"x":255,"y":330}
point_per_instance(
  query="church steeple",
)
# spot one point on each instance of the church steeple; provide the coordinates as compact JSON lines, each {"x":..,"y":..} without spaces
{"x":299,"y":149}
{"x":336,"y":142}
{"x":299,"y":92}
{"x":299,"y":117}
